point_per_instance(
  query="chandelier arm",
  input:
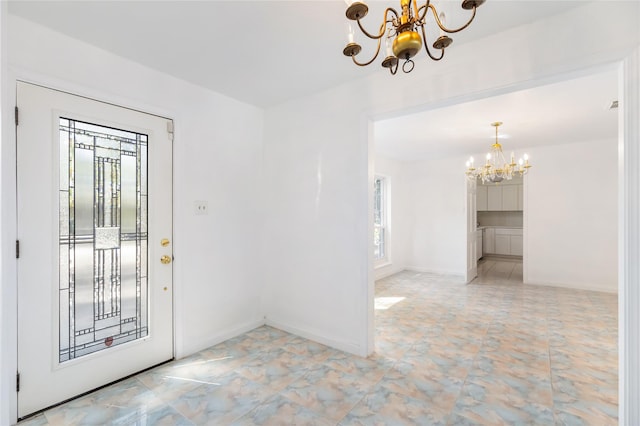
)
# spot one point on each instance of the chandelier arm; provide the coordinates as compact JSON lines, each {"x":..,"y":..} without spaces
{"x":447,"y":30}
{"x":424,"y":13}
{"x":426,"y":46}
{"x":382,"y":27}
{"x":364,"y":64}
{"x":415,"y":9}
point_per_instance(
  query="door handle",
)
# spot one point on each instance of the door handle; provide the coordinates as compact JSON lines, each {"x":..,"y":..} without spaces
{"x":165,"y":259}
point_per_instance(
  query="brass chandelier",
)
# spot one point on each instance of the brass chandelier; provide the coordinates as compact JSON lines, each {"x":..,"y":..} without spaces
{"x":402,"y":39}
{"x":497,"y":168}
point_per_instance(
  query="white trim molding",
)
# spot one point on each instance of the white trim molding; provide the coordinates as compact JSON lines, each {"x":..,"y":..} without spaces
{"x":629,"y":241}
{"x":317,"y":336}
{"x":386,"y":270}
{"x":452,"y":274}
{"x":219,"y":338}
{"x":602,"y":288}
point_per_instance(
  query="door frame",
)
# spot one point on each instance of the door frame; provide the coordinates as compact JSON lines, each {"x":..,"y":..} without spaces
{"x":471,"y":216}
{"x":524,"y":227}
{"x":8,"y":193}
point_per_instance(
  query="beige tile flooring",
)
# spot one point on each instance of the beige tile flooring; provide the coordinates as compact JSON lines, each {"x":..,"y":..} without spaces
{"x":491,"y":352}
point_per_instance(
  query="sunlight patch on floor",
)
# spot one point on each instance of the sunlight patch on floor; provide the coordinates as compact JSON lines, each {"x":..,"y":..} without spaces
{"x":387,"y":302}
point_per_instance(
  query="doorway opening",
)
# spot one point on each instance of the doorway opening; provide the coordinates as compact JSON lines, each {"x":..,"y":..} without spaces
{"x":435,"y":221}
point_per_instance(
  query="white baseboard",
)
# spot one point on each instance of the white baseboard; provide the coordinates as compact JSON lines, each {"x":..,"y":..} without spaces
{"x":385,"y":271}
{"x":456,"y":274}
{"x":588,"y":287}
{"x":502,"y":257}
{"x":351,"y":348}
{"x":218,"y":338}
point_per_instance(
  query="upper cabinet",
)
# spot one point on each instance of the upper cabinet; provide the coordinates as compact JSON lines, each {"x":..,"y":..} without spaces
{"x":481,"y":198}
{"x":499,"y":197}
{"x":520,"y":198}
{"x":494,"y":198}
{"x":510,"y":197}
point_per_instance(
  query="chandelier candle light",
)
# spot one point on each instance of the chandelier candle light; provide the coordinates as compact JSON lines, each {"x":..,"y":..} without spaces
{"x":497,"y":169}
{"x":401,"y":31}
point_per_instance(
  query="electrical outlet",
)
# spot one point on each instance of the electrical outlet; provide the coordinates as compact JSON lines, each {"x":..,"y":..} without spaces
{"x":201,"y":207}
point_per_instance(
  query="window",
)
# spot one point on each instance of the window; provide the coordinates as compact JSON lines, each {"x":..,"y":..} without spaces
{"x":380,"y":218}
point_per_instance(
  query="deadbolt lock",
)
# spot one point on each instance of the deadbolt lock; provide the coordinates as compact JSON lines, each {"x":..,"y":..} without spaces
{"x":165,"y":259}
{"x":164,"y":242}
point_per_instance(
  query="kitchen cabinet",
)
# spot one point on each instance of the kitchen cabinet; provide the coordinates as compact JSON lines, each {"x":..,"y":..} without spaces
{"x":494,"y":197}
{"x":478,"y":244}
{"x":503,"y":197}
{"x":510,"y":197}
{"x":520,"y":197}
{"x":489,"y":240}
{"x":481,"y":198}
{"x":503,"y":245}
{"x":515,"y":247}
{"x":508,"y":241}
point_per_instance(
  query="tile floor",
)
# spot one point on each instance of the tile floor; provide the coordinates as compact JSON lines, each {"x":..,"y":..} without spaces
{"x":492,"y":352}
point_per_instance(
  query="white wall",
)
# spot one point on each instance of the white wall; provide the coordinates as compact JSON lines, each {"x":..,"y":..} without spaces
{"x":399,"y":219}
{"x":571,"y":224}
{"x":437,"y":190}
{"x":316,"y":251}
{"x":318,"y":278}
{"x":571,"y":216}
{"x":217,"y":157}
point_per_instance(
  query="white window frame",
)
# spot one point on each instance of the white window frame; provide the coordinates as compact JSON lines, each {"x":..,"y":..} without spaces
{"x":384,"y":225}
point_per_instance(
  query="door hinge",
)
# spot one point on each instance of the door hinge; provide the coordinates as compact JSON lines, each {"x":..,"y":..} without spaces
{"x":170,"y":129}
{"x":17,"y":249}
{"x":16,"y":111}
{"x":17,"y":382}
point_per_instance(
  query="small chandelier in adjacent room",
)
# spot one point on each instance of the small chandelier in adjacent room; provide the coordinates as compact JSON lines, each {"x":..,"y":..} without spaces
{"x":400,"y":32}
{"x":497,"y":168}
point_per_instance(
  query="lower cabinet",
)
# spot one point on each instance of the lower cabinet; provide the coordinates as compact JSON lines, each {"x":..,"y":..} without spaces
{"x":503,"y":241}
{"x":516,"y":245}
{"x":503,"y":244}
{"x":489,"y":240}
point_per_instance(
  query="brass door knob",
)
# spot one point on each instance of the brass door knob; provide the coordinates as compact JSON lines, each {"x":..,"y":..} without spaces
{"x":165,"y":259}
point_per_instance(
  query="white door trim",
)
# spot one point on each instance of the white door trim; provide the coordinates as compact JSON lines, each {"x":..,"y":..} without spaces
{"x":471,"y":220}
{"x":629,"y":241}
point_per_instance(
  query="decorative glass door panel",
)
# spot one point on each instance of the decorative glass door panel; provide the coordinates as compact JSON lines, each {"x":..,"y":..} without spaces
{"x":103,"y":237}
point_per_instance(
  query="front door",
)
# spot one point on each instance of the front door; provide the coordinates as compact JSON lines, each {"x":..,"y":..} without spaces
{"x":95,"y":244}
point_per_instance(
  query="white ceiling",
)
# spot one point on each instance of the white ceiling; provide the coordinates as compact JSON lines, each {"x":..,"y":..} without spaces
{"x":570,"y":111}
{"x":260,"y":52}
{"x":266,"y":52}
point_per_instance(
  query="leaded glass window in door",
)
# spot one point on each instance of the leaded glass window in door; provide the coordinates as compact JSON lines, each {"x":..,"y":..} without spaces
{"x":103,"y":290}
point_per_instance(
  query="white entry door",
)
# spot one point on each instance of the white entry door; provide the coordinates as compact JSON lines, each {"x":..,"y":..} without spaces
{"x":95,"y":249}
